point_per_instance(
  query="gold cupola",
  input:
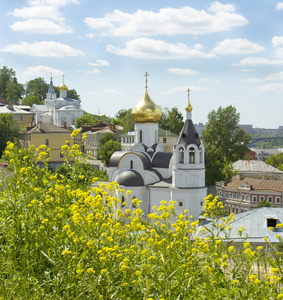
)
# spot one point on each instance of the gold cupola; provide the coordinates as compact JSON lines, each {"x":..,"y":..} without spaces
{"x":146,"y":111}
{"x":63,"y":87}
{"x":189,"y":107}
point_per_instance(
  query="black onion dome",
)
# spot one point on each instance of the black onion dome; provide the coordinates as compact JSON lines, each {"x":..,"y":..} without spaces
{"x":130,"y":178}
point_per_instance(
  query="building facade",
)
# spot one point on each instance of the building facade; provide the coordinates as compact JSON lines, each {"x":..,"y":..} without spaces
{"x":62,"y":111}
{"x":153,"y":174}
{"x":20,"y":113}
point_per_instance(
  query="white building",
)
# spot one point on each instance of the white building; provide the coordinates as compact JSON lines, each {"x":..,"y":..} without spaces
{"x":154,"y":175}
{"x":61,"y":111}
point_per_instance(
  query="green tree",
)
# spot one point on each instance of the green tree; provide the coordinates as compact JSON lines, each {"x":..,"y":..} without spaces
{"x":38,"y":88}
{"x":224,"y":142}
{"x":172,"y":119}
{"x":8,"y":81}
{"x":263,"y":203}
{"x":124,"y":118}
{"x":108,"y":144}
{"x":9,"y":129}
{"x":275,"y":160}
{"x":30,"y":100}
{"x":73,"y":94}
{"x":14,"y":91}
{"x":85,"y":119}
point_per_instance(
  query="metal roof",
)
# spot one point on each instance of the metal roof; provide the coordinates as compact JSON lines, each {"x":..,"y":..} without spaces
{"x":254,"y":166}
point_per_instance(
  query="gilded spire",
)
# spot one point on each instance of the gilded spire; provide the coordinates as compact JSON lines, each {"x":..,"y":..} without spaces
{"x":146,"y":111}
{"x":189,"y":107}
{"x":51,"y":76}
{"x":63,"y":87}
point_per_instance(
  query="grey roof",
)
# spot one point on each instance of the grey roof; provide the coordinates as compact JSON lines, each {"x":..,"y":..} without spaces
{"x":116,"y":156}
{"x":254,"y":166}
{"x":130,"y":178}
{"x":165,"y":183}
{"x":164,"y":132}
{"x":188,"y":134}
{"x":51,"y":89}
{"x":45,"y":127}
{"x":161,"y":159}
{"x":255,"y":224}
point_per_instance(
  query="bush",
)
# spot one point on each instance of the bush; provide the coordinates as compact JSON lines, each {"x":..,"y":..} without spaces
{"x":61,"y":240}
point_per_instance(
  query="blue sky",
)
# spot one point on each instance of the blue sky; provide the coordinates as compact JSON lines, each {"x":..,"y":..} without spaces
{"x":226,"y":52}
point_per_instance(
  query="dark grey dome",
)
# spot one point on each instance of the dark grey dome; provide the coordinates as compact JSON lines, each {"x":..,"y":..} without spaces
{"x":130,"y":178}
{"x":161,"y":160}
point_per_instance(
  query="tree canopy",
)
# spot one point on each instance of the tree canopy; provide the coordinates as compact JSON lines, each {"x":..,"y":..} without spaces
{"x":224,"y":142}
{"x":108,"y":144}
{"x":172,"y":119}
{"x":9,"y":129}
{"x":124,"y":118}
{"x":86,"y":119}
{"x":275,"y":160}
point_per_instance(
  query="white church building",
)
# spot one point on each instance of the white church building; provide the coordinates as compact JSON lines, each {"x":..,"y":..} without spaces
{"x":61,"y":111}
{"x":154,"y":175}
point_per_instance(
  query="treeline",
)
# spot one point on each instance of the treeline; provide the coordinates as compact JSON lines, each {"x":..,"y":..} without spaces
{"x":32,"y":92}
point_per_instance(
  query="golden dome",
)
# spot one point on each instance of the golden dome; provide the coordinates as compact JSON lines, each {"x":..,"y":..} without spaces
{"x":146,"y":111}
{"x":63,"y":87}
{"x":189,"y":107}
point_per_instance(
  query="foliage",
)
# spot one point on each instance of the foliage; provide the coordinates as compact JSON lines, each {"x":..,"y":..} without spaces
{"x":263,"y":203}
{"x":61,"y":240}
{"x":9,"y":129}
{"x":224,"y":142}
{"x":275,"y":160}
{"x":172,"y":119}
{"x":85,"y":119}
{"x":107,"y":149}
{"x":37,"y":89}
{"x":124,"y":118}
{"x":10,"y":89}
{"x":30,"y":100}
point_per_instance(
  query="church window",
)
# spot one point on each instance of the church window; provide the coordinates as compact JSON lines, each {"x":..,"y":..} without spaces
{"x":140,"y":136}
{"x":47,"y":142}
{"x":192,"y":155}
{"x":131,"y":164}
{"x":122,"y":201}
{"x":181,"y":155}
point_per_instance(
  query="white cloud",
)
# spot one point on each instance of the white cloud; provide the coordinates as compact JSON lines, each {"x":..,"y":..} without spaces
{"x":258,"y":61}
{"x":42,"y":71}
{"x":42,"y":26}
{"x":271,"y":87}
{"x":112,"y":92}
{"x":40,"y":16}
{"x":277,"y":42}
{"x":237,"y":46}
{"x":274,"y":76}
{"x":253,"y":80}
{"x":94,"y":71}
{"x":99,"y":63}
{"x":90,"y":35}
{"x":279,"y":6}
{"x":168,"y":21}
{"x":184,"y":89}
{"x":158,"y":49}
{"x":42,"y":49}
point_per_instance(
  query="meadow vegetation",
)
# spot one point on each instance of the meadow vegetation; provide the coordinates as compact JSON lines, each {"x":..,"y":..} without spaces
{"x":61,"y":239}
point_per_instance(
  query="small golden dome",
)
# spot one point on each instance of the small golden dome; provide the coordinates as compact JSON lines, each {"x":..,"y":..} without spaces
{"x":146,"y":111}
{"x":189,"y":107}
{"x":63,"y":87}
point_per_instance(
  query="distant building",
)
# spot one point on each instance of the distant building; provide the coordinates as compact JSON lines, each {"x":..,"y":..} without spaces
{"x":263,"y":153}
{"x":243,"y":194}
{"x":256,"y":224}
{"x":20,"y":113}
{"x":54,"y":137}
{"x":257,"y":169}
{"x":62,"y":111}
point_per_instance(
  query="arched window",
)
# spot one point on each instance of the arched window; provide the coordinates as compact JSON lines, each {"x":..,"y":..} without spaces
{"x":122,"y":201}
{"x":131,"y":164}
{"x":140,"y":136}
{"x":192,"y":155}
{"x":181,"y":155}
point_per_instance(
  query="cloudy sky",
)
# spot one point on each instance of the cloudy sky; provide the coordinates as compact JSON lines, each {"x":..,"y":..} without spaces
{"x":226,"y":52}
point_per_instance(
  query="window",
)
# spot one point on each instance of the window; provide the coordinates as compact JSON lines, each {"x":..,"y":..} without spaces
{"x":247,"y":197}
{"x":201,"y":203}
{"x":180,"y":203}
{"x":237,"y":210}
{"x":271,"y":222}
{"x":131,"y":164}
{"x":243,"y":197}
{"x":140,"y":136}
{"x":122,"y":201}
{"x":226,"y":195}
{"x":254,"y":198}
{"x":47,"y":142}
{"x":164,"y":140}
{"x":278,"y":200}
{"x":261,"y":198}
{"x":269,"y":198}
{"x":230,"y":195}
{"x":61,"y":155}
{"x":233,"y":196}
{"x":134,"y":202}
{"x":181,"y":155}
{"x":21,"y":118}
{"x":192,"y":155}
{"x":267,"y":178}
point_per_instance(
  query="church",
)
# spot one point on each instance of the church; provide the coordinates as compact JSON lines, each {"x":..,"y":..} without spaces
{"x":61,"y":111}
{"x":154,"y":175}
